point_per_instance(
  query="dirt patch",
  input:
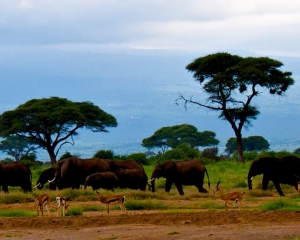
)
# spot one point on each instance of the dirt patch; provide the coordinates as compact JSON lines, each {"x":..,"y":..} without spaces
{"x":157,"y":225}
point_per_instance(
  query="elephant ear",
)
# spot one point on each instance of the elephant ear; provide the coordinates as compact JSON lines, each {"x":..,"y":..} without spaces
{"x":64,"y":168}
{"x":169,"y":168}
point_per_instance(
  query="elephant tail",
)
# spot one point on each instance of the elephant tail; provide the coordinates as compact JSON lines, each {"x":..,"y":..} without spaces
{"x":207,"y":178}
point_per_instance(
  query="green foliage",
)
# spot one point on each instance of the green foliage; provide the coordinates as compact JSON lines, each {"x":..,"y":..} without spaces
{"x":210,"y":153}
{"x":251,"y":143}
{"x":281,"y":204}
{"x":50,"y":122}
{"x":66,"y":155}
{"x":172,"y":137}
{"x":297,"y":151}
{"x":233,"y":81}
{"x":75,"y":211}
{"x":144,"y":204}
{"x":139,"y":157}
{"x":18,"y":147}
{"x":181,"y":152}
{"x":17,"y":213}
{"x":104,"y":154}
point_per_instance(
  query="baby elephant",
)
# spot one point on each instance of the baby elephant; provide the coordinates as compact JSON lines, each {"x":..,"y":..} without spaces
{"x":105,"y":180}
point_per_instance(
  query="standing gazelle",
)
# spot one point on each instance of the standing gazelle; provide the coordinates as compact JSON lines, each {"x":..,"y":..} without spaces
{"x":61,"y":204}
{"x":41,"y":202}
{"x":230,"y":197}
{"x":111,"y":200}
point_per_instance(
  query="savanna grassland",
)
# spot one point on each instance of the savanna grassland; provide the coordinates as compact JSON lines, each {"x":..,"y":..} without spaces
{"x":159,"y":215}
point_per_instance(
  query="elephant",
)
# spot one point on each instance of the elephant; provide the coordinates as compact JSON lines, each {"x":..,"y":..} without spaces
{"x":188,"y":172}
{"x":106,"y":180}
{"x":125,"y":164}
{"x":132,"y":178}
{"x":15,"y":174}
{"x":280,"y":171}
{"x":44,"y":177}
{"x":72,"y":172}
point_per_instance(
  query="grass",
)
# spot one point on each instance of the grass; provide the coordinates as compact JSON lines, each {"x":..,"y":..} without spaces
{"x":281,"y":204}
{"x":17,"y":213}
{"x":173,"y":233}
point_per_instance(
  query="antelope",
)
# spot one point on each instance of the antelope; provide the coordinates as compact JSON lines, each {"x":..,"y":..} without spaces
{"x":230,"y":197}
{"x":61,"y":203}
{"x":112,"y":199}
{"x":41,"y":202}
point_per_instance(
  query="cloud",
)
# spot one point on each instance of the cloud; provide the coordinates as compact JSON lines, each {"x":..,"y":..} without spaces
{"x":262,"y":26}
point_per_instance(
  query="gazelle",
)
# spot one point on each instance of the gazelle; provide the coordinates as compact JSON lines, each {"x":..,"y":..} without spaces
{"x":41,"y":202}
{"x":61,"y":204}
{"x":111,"y":200}
{"x":230,"y":197}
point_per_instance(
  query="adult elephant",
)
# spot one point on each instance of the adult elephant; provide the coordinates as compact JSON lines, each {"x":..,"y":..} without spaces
{"x":105,"y":180}
{"x":72,"y":172}
{"x":132,"y":178}
{"x":280,"y":171}
{"x":188,"y":172}
{"x":114,"y":165}
{"x":15,"y":174}
{"x":44,"y":177}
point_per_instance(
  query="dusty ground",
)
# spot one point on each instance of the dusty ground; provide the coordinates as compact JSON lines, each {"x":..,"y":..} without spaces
{"x":244,"y":224}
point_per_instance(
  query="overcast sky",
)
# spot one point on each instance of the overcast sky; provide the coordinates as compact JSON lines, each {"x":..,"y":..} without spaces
{"x":268,"y":27}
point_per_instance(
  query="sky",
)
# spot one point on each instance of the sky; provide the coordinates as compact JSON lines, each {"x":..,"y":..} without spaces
{"x":129,"y":58}
{"x":268,"y":27}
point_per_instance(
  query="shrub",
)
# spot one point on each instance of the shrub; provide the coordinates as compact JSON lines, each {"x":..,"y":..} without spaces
{"x":104,"y":154}
{"x":139,"y":157}
{"x":75,"y":211}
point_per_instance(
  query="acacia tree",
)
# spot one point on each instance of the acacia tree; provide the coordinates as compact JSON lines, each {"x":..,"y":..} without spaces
{"x":51,"y":122}
{"x":17,"y":146}
{"x":232,"y":82}
{"x":250,"y":143}
{"x":171,"y":137}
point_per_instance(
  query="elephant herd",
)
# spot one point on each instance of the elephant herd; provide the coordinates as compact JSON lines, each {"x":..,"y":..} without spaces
{"x":109,"y":174}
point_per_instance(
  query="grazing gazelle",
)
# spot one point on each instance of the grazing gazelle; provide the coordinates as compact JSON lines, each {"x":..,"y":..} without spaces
{"x":61,"y":203}
{"x":112,"y":199}
{"x":41,"y":202}
{"x":230,"y":197}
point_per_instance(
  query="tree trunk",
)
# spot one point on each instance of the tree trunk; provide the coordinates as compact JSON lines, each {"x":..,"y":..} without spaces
{"x":239,"y":144}
{"x":52,"y":156}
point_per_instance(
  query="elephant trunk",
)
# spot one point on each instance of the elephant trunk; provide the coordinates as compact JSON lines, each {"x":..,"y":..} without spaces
{"x":152,"y":180}
{"x":250,"y":177}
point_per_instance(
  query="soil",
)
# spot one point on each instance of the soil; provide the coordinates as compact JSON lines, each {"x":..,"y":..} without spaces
{"x":187,"y":224}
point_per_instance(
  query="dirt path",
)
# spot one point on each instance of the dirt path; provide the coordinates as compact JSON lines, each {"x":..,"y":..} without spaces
{"x":157,"y":225}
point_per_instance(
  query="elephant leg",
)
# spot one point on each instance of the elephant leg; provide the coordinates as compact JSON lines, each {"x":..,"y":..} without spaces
{"x":179,"y":188}
{"x":5,"y":188}
{"x":265,"y":182}
{"x":278,"y":188}
{"x":168,"y":185}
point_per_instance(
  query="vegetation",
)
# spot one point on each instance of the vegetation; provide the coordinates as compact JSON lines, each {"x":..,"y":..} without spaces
{"x":172,"y":137}
{"x":16,"y":146}
{"x":251,"y":143}
{"x":51,"y":122}
{"x":231,"y":83}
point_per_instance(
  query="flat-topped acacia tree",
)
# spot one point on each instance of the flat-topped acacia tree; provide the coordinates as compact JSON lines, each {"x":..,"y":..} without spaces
{"x":51,"y":122}
{"x":231,"y":82}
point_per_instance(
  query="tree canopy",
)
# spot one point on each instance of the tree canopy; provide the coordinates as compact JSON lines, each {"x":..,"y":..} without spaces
{"x":251,"y":143}
{"x":171,"y":137}
{"x":17,"y":146}
{"x":231,"y":82}
{"x":51,"y":122}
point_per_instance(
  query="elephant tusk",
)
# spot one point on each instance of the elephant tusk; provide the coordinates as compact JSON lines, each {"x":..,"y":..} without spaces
{"x":251,"y":178}
{"x":51,"y":180}
{"x":37,"y":185}
{"x":151,"y":180}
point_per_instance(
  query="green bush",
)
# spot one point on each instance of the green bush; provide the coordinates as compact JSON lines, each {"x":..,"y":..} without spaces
{"x":75,"y":211}
{"x":104,"y":154}
{"x":139,"y":157}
